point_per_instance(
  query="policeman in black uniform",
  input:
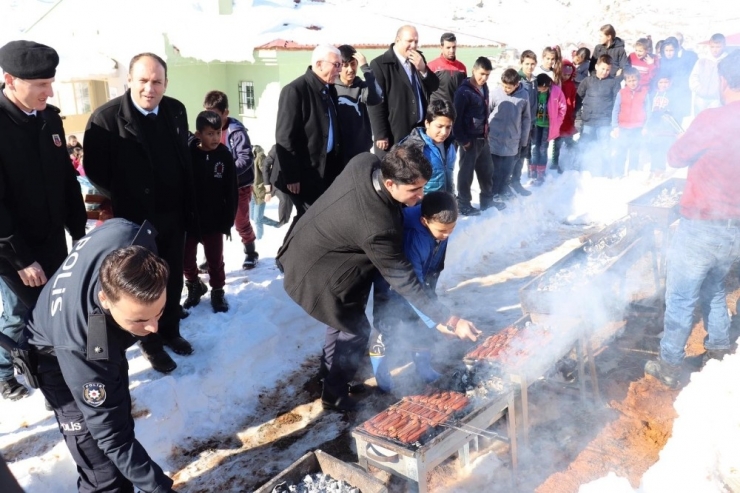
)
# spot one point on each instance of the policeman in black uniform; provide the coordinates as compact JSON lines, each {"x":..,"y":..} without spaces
{"x":110,"y":291}
{"x":39,"y":193}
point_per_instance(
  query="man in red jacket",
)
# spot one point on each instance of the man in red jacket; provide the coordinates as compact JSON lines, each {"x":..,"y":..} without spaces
{"x":707,"y":241}
{"x":450,"y":71}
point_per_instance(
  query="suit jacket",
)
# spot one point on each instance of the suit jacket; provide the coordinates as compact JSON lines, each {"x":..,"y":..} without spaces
{"x":120,"y":165}
{"x":302,"y":135}
{"x":397,"y":115}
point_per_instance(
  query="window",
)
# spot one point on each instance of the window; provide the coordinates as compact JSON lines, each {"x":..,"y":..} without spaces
{"x":73,"y":98}
{"x":246,"y":96}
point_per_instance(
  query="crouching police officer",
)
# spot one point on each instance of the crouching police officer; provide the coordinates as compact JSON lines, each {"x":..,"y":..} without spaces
{"x":108,"y":292}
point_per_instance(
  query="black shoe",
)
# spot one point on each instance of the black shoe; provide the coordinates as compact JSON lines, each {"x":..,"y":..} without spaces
{"x":507,"y":195}
{"x":356,"y":388}
{"x":203,"y":268}
{"x":160,"y":361}
{"x":196,"y":290}
{"x":12,"y":390}
{"x":554,"y":166}
{"x":668,"y":375}
{"x":494,"y":203}
{"x":250,"y":262}
{"x":468,"y":210}
{"x":343,"y":404}
{"x":518,"y":188}
{"x":179,"y":345}
{"x":218,"y":301}
{"x":717,"y":354}
{"x":184,"y":313}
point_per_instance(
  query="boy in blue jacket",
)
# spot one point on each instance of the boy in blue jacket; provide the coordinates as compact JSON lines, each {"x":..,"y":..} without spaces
{"x":426,"y":229}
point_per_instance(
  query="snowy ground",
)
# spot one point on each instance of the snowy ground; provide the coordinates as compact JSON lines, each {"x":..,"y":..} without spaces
{"x":266,"y":337}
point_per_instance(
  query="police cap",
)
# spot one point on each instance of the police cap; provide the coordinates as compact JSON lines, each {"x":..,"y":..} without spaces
{"x":29,"y":60}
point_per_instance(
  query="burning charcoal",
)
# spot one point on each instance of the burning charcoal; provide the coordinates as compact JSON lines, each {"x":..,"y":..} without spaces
{"x":316,"y":483}
{"x":666,"y":198}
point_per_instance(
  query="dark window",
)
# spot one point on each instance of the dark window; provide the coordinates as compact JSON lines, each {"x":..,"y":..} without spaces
{"x":246,"y":96}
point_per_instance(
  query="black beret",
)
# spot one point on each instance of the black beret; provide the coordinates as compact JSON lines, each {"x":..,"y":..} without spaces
{"x":29,"y":60}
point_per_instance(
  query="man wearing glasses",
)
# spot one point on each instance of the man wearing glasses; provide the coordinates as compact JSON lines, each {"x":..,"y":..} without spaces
{"x":307,"y":134}
{"x":354,"y":96}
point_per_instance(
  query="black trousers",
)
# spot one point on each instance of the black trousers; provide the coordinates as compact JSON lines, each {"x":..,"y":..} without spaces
{"x":97,"y":474}
{"x":285,"y":209}
{"x":171,"y":247}
{"x":341,"y":358}
{"x":475,"y":160}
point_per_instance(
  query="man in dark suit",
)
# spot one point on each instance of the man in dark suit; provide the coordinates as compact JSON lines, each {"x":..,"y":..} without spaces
{"x":307,"y":134}
{"x":407,"y":83}
{"x":39,"y":193}
{"x":136,"y":153}
{"x":331,"y":257}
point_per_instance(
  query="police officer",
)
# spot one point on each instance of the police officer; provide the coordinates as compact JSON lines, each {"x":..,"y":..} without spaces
{"x":39,"y":193}
{"x":110,"y":291}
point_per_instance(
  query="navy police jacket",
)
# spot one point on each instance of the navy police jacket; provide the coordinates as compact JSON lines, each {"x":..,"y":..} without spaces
{"x":90,"y":349}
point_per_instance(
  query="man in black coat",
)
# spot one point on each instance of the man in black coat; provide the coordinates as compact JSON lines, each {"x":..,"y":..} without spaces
{"x":136,"y":153}
{"x":333,"y":253}
{"x":39,"y":193}
{"x":108,"y":292}
{"x":307,"y":134}
{"x":407,"y":83}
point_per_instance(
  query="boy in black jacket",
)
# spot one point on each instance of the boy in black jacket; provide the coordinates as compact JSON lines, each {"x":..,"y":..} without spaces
{"x":216,"y":197}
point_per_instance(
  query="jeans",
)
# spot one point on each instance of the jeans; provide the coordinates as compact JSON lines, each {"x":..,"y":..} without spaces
{"x":539,"y":146}
{"x":11,"y":323}
{"x":475,"y":160}
{"x":627,"y":150}
{"x":700,"y":256}
{"x":256,"y":214}
{"x":595,"y":154}
{"x":502,"y":169}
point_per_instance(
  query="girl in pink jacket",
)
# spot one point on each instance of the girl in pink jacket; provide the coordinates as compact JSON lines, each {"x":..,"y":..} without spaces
{"x":548,"y":117}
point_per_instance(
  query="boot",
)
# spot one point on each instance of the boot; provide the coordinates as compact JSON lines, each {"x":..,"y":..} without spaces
{"x":160,"y":360}
{"x":203,"y":268}
{"x":540,"y":174}
{"x":423,"y":363}
{"x":382,"y":373}
{"x":179,"y":345}
{"x":12,"y":390}
{"x":250,"y":262}
{"x":717,"y":354}
{"x":218,"y":301}
{"x":667,"y":374}
{"x":196,"y":290}
{"x":342,"y":403}
{"x":468,"y":210}
{"x":518,"y":188}
{"x":531,"y":171}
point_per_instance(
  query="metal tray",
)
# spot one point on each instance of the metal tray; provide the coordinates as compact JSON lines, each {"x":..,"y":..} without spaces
{"x":663,"y":216}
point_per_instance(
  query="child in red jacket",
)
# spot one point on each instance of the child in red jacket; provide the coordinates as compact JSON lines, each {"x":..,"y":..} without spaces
{"x":629,"y":115}
{"x":568,"y":127}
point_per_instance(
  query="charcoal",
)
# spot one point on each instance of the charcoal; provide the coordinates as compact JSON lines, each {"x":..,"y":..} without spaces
{"x":316,"y":483}
{"x":666,"y":198}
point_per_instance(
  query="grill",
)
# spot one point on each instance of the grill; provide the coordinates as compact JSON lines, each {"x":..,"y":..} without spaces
{"x":440,"y":440}
{"x":660,"y":203}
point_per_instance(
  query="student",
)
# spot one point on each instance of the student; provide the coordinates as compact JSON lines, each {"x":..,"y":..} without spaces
{"x":628,"y":119}
{"x":426,"y":229}
{"x":547,"y":121}
{"x":471,"y":133}
{"x":551,"y":64}
{"x":259,"y":196}
{"x":528,"y":62}
{"x":611,"y":45}
{"x":659,"y":129}
{"x":704,"y":78}
{"x":509,"y":129}
{"x":582,"y":61}
{"x":678,"y":71}
{"x":645,"y":63}
{"x":568,"y":127}
{"x":216,"y":198}
{"x":436,"y":140}
{"x":598,"y":93}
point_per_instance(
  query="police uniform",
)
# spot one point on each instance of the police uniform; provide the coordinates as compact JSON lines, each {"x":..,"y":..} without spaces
{"x":83,"y":370}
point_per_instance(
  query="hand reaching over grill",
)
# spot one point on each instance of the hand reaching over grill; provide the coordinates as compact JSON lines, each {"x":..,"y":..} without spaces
{"x":463,"y":329}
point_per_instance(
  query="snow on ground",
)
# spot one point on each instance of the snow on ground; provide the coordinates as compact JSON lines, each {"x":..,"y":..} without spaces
{"x":265,"y":336}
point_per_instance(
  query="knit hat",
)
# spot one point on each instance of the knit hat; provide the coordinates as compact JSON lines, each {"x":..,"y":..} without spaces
{"x":28,"y":60}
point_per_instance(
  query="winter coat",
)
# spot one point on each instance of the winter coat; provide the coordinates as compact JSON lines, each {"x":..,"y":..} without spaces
{"x":556,"y":108}
{"x":302,"y":136}
{"x":269,"y":164}
{"x":660,"y":103}
{"x":704,"y":78}
{"x":620,"y":60}
{"x":426,"y":254}
{"x":258,"y":189}
{"x":647,"y":70}
{"x":509,"y":122}
{"x":354,"y":119}
{"x":598,"y":96}
{"x":442,"y":169}
{"x":216,"y":191}
{"x":471,"y":107}
{"x":39,"y":192}
{"x":397,"y":115}
{"x":450,"y":74}
{"x":531,"y":87}
{"x":120,"y":164}
{"x":333,"y":253}
{"x":631,"y":108}
{"x":237,"y":140}
{"x":568,"y":127}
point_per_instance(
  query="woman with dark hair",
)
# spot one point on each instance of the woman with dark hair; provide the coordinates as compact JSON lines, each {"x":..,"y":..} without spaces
{"x":610,"y":44}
